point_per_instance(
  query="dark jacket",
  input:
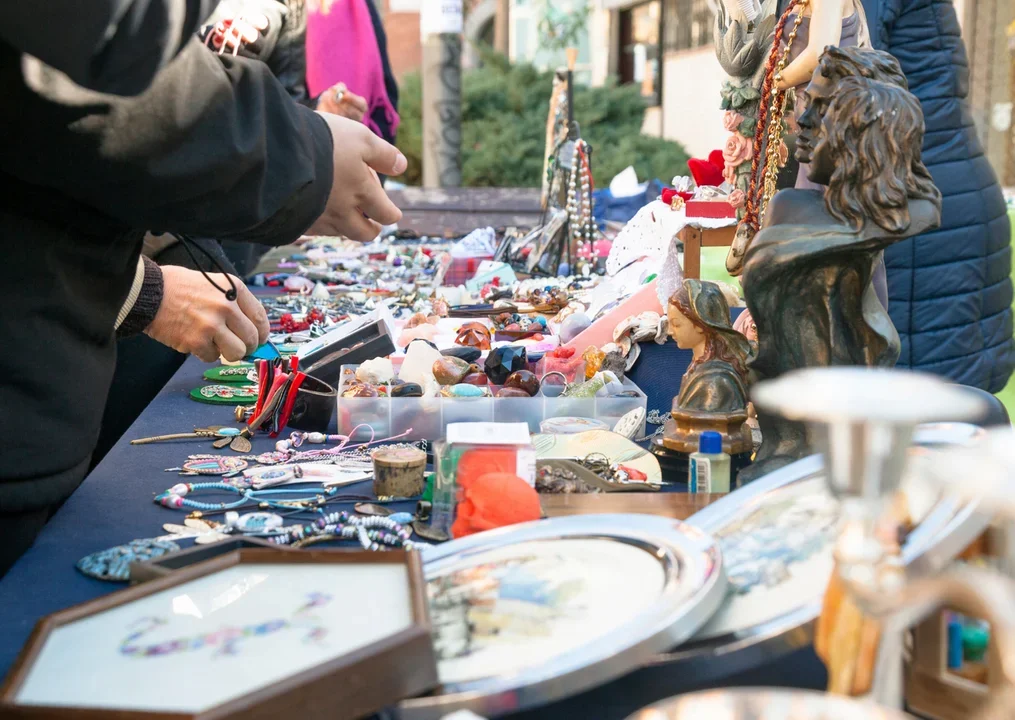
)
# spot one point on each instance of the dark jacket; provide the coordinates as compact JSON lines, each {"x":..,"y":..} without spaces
{"x":215,"y":147}
{"x":950,"y":290}
{"x":114,"y":46}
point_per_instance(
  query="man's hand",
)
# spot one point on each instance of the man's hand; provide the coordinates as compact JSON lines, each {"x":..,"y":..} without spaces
{"x":358,"y":205}
{"x":339,"y":100}
{"x":196,"y":318}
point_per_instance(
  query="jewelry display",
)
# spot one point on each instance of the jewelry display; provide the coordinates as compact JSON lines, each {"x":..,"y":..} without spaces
{"x":560,"y":481}
{"x":113,"y":565}
{"x":767,"y":140}
{"x":579,"y":197}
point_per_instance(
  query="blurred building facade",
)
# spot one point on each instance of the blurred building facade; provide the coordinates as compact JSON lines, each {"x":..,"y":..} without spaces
{"x":665,"y":47}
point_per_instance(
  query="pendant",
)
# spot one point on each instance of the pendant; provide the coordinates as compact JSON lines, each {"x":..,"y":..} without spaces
{"x":225,"y":394}
{"x":372,"y":510}
{"x":113,"y":565}
{"x":255,"y":523}
{"x":216,"y":465}
{"x":203,"y":531}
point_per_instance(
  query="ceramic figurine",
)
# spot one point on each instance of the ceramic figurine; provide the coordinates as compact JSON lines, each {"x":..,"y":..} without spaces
{"x":807,"y":274}
{"x":713,"y":392}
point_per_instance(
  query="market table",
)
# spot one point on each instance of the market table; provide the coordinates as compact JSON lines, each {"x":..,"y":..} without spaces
{"x":114,"y":505}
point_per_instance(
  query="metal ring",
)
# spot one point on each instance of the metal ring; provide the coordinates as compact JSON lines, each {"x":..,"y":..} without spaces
{"x":555,"y":372}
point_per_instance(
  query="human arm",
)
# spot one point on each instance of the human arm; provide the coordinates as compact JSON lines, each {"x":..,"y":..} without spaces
{"x":114,"y":46}
{"x":179,"y":308}
{"x":825,"y":30}
{"x":215,"y":148}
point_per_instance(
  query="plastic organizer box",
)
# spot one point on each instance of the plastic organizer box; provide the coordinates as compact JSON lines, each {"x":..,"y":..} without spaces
{"x":428,"y":417}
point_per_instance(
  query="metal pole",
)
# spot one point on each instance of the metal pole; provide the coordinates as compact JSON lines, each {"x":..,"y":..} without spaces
{"x":441,"y":27}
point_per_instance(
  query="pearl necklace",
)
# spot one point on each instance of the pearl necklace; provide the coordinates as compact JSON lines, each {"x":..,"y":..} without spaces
{"x":579,"y":205}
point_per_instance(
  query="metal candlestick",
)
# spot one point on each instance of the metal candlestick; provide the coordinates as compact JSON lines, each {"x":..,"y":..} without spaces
{"x":863,"y":420}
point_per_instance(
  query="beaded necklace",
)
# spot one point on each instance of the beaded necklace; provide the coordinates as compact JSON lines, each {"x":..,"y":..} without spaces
{"x":770,"y":124}
{"x":176,"y":497}
{"x":579,"y":204}
{"x":373,"y":532}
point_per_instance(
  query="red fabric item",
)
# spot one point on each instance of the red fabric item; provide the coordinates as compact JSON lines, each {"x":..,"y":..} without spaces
{"x":710,"y":209}
{"x":493,"y":500}
{"x":704,"y":173}
{"x":669,"y":193}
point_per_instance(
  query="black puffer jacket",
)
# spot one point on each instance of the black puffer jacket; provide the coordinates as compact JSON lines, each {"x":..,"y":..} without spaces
{"x":950,"y":290}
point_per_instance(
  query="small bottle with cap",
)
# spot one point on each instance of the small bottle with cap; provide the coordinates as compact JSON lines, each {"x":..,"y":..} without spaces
{"x":709,"y":470}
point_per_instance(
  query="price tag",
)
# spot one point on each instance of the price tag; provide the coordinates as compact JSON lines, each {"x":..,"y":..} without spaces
{"x":441,"y":17}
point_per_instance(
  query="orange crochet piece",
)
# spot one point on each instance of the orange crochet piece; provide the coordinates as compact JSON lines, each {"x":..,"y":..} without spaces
{"x":493,"y":500}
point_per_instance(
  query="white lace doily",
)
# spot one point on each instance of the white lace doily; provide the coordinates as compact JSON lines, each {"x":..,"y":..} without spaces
{"x":652,"y":233}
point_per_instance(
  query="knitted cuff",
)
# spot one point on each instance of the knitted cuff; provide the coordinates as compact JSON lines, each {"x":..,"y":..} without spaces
{"x":147,"y":304}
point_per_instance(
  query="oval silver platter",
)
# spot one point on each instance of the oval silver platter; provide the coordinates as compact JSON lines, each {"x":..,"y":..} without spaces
{"x":759,"y":704}
{"x":691,"y":586}
{"x":725,"y":647}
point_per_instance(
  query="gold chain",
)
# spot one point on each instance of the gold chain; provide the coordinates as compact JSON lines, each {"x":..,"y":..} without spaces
{"x":775,"y":129}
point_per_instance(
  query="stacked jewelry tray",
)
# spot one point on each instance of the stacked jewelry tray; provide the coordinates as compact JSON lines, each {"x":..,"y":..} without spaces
{"x":428,"y":418}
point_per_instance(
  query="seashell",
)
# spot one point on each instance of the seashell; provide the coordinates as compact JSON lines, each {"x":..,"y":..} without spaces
{"x":628,"y":324}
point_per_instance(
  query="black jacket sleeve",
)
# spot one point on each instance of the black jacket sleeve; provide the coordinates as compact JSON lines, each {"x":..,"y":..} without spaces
{"x":113,"y":46}
{"x":215,"y":148}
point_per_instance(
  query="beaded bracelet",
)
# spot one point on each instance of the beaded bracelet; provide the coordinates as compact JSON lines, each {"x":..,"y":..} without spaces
{"x":345,"y":526}
{"x":176,"y":496}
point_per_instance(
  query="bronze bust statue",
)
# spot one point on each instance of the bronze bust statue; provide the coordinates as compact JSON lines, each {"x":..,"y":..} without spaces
{"x":713,"y":392}
{"x":807,"y":274}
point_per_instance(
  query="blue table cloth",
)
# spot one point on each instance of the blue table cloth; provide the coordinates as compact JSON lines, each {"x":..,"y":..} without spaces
{"x":115,"y":505}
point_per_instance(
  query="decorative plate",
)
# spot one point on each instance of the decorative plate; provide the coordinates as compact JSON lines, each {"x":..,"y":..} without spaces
{"x":570,"y":425}
{"x":526,"y":615}
{"x":777,"y":536}
{"x":616,"y":447}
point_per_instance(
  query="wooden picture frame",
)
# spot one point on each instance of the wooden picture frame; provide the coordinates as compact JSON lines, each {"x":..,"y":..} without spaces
{"x":351,"y":685}
{"x":160,"y":567}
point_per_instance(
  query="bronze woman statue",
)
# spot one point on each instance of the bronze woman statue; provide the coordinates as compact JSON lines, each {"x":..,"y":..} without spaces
{"x":713,"y":392}
{"x":807,"y":274}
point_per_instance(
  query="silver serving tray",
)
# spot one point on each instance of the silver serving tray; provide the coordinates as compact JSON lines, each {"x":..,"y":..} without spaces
{"x":758,"y":704}
{"x":950,"y":527}
{"x":694,"y":587}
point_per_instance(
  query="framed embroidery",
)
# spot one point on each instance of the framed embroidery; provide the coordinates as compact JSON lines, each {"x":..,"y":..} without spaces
{"x":255,"y":632}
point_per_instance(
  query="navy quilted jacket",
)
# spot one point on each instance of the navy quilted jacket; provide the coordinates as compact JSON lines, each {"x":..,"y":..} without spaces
{"x":950,"y":291}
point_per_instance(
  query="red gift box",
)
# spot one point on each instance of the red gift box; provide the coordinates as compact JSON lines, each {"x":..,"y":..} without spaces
{"x":718,"y":208}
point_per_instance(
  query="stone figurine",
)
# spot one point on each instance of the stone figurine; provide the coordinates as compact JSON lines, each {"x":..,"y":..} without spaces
{"x":807,"y":274}
{"x":713,"y":392}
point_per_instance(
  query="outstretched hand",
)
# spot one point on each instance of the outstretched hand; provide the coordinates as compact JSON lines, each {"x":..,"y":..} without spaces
{"x":358,"y":206}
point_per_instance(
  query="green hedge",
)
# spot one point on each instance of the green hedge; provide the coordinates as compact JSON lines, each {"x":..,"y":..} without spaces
{"x":504,"y":111}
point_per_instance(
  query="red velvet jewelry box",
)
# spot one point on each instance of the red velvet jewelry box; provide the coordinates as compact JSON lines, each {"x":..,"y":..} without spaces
{"x":717,"y":208}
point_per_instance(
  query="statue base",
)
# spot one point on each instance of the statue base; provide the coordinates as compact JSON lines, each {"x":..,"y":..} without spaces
{"x":684,"y":428}
{"x":674,"y":465}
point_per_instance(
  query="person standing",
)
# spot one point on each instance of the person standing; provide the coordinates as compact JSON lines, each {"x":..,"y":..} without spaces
{"x":87,"y":171}
{"x":950,"y":291}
